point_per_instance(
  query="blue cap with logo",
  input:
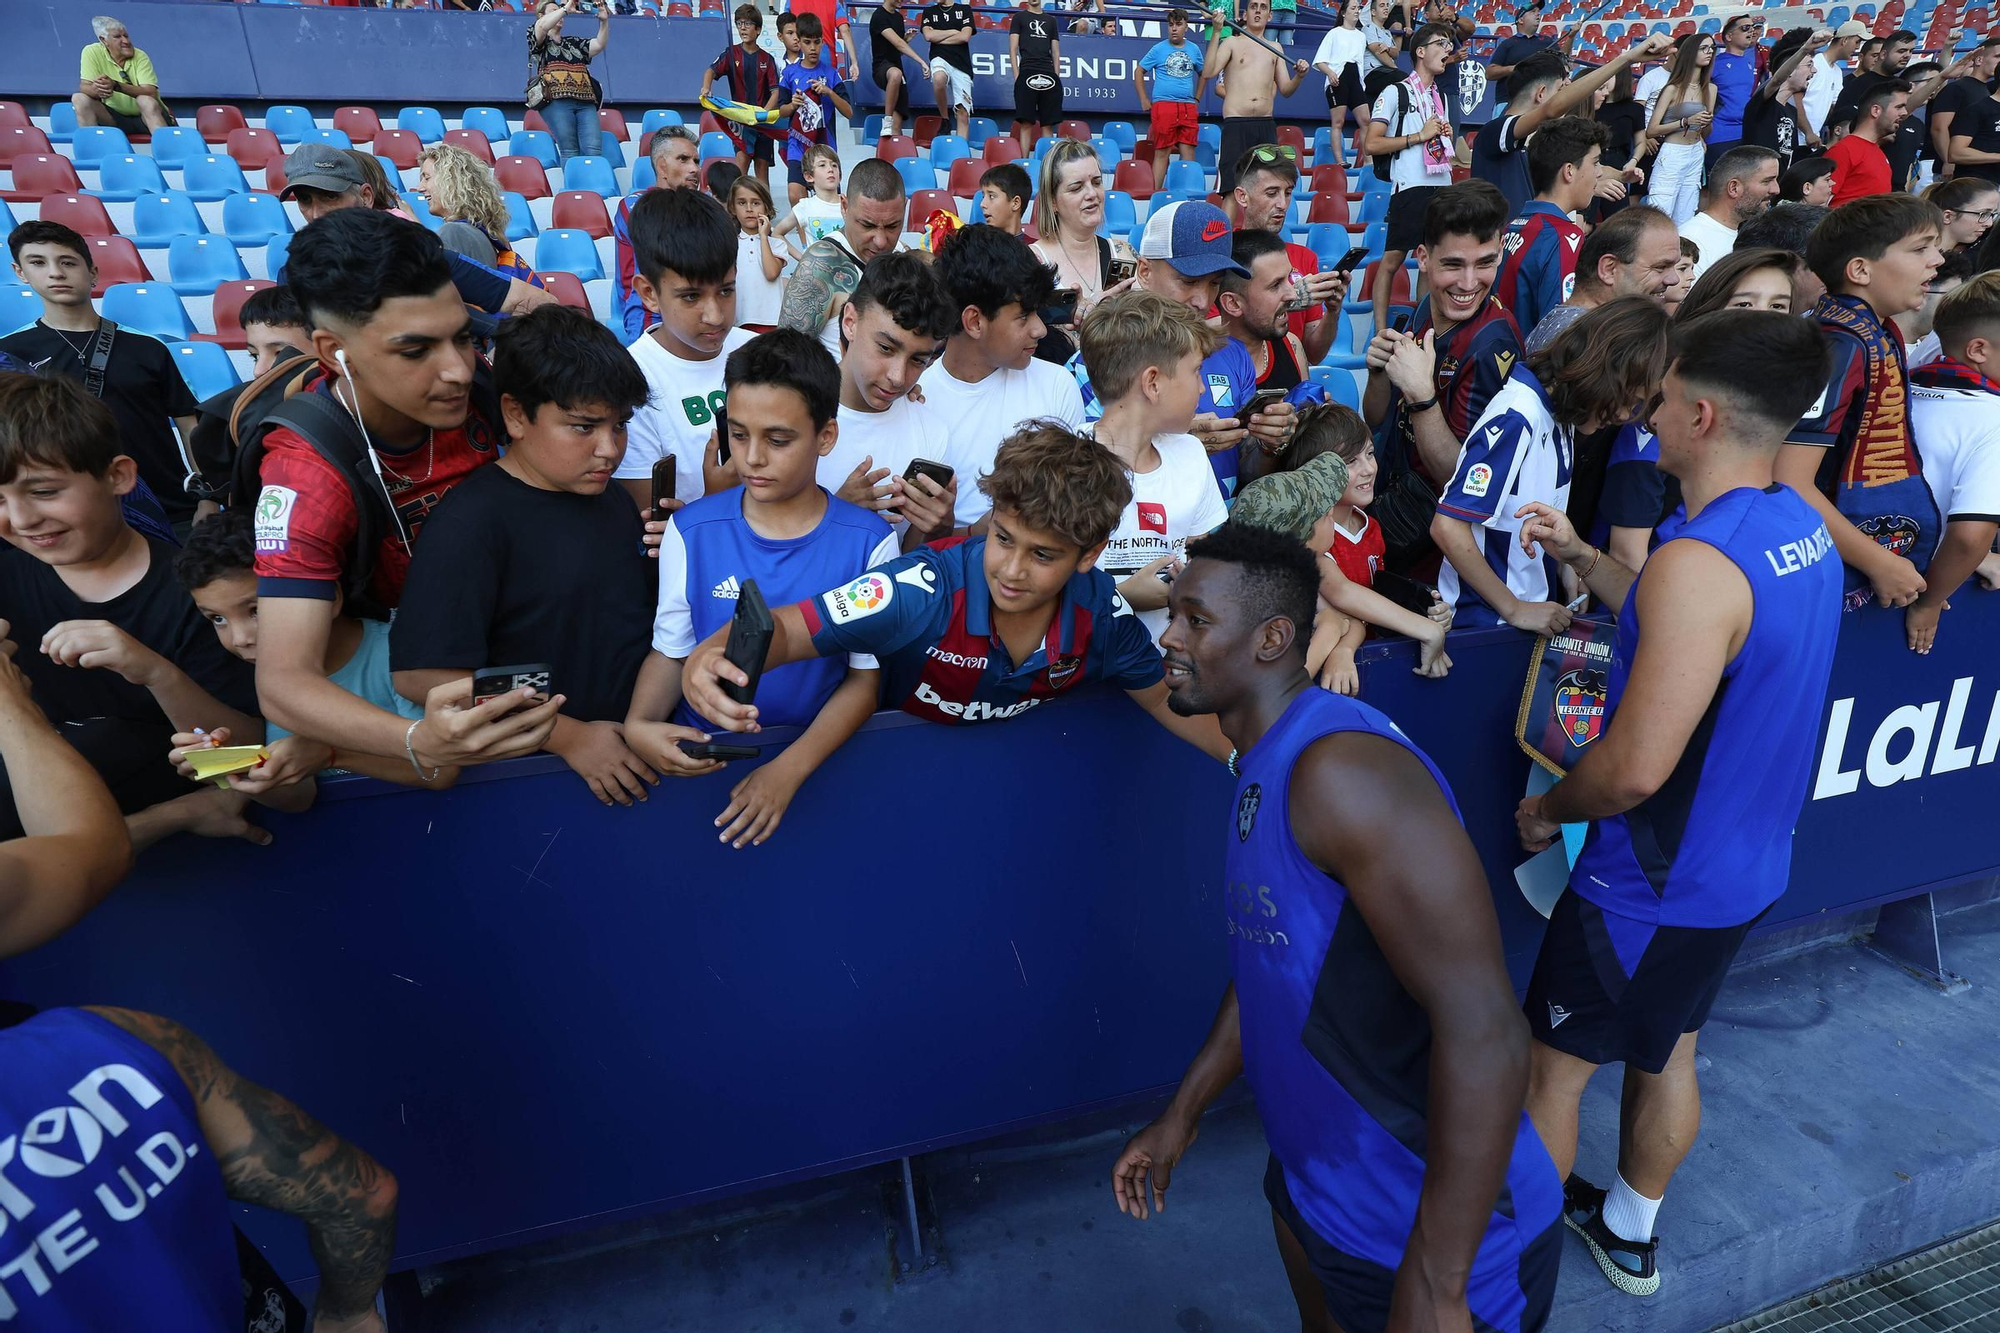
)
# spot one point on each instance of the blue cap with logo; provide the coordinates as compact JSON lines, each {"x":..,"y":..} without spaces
{"x":1194,"y":236}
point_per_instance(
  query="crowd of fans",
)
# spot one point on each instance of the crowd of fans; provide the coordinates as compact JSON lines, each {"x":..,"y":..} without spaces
{"x":964,"y":475}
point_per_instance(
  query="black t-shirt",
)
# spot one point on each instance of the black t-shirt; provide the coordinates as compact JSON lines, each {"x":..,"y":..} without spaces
{"x":952,"y":17}
{"x":156,"y":611}
{"x":1980,"y":121}
{"x":1625,"y":120}
{"x":885,"y":20}
{"x":1857,"y":87}
{"x":142,"y":387}
{"x":510,"y":574}
{"x":1038,"y":37}
{"x":1956,"y":96}
{"x":1772,"y":124}
{"x":1902,"y":152}
{"x":1499,"y":155}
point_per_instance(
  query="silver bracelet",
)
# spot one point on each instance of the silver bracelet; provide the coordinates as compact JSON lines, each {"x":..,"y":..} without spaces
{"x":410,"y":749}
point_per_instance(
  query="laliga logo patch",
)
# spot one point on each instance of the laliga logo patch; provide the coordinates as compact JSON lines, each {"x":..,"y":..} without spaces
{"x":1246,"y":810}
{"x":1569,"y":285}
{"x":1893,"y":532}
{"x":1478,"y":478}
{"x":859,"y":599}
{"x":1041,"y":83}
{"x":1063,"y":670}
{"x":1580,"y":705}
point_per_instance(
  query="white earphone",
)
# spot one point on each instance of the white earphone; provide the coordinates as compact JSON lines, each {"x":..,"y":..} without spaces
{"x":374,"y":459}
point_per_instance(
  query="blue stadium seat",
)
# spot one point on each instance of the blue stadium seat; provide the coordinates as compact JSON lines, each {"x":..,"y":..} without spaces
{"x":490,"y":121}
{"x":1205,"y":154}
{"x":423,"y":121}
{"x":570,"y":251}
{"x":196,"y":265}
{"x":1340,"y":385}
{"x":947,"y":149}
{"x":213,"y":177}
{"x":1210,"y":133}
{"x":660,"y":118}
{"x":62,"y":122}
{"x":391,"y":170}
{"x":126,"y":177}
{"x":206,"y":367}
{"x":1121,"y":133}
{"x":1329,"y":241}
{"x":1375,"y":235}
{"x":612,"y":151}
{"x":917,"y":173}
{"x":1120,"y":213}
{"x":19,"y":306}
{"x":7,"y":222}
{"x":158,"y":218}
{"x":982,"y":128}
{"x":1187,"y":176}
{"x":871,"y":129}
{"x":148,"y":307}
{"x":421,"y":211}
{"x":94,"y":143}
{"x":323,"y":134}
{"x":590,"y":173}
{"x":644,"y":177}
{"x":716,"y":144}
{"x":252,"y":219}
{"x":1374,"y":208}
{"x":290,"y":123}
{"x":173,"y":145}
{"x":520,"y":221}
{"x":977,"y":213}
{"x":1042,"y":147}
{"x":538,"y":144}
{"x":274,"y":255}
{"x":1108,"y":152}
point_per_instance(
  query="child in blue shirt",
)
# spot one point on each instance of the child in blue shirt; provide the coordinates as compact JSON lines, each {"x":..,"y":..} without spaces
{"x":813,"y":87}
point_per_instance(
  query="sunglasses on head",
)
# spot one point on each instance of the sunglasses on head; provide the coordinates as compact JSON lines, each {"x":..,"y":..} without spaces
{"x":1274,"y":152}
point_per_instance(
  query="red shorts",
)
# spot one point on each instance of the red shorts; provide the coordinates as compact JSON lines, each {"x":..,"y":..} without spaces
{"x":1173,"y":124}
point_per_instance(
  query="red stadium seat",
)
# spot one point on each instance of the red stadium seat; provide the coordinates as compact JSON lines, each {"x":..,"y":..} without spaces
{"x":400,"y":147}
{"x":214,"y":123}
{"x":525,"y":175}
{"x":1328,"y":176}
{"x":254,"y":149}
{"x":926,"y":129}
{"x":228,"y":307}
{"x":566,"y":288}
{"x":82,"y":213}
{"x":18,"y":139}
{"x":965,"y":174}
{"x":1080,"y":130}
{"x":1134,"y":178}
{"x":892,"y":147}
{"x":612,"y":122}
{"x":13,"y":113}
{"x":710,"y":123}
{"x":1142,"y":151}
{"x":1399,"y":285}
{"x":1296,"y":137}
{"x":1001,"y":148}
{"x":533,"y":121}
{"x":473,"y":142}
{"x":923,"y":203}
{"x":117,"y":260}
{"x":38,"y":175}
{"x":1328,"y":206}
{"x":582,"y":210}
{"x":359,"y":123}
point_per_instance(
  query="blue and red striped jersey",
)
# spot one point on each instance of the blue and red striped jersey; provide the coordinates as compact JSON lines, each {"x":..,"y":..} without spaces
{"x":1474,"y":359}
{"x":928,"y":618}
{"x":1539,"y":270}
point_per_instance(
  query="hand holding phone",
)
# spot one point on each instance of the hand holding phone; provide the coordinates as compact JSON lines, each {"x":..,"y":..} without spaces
{"x":1122,"y":270}
{"x":492,"y":682}
{"x":663,"y":485}
{"x":924,"y":467}
{"x":1260,"y":401}
{"x":750,"y":633}
{"x":716,"y":750}
{"x":1348,"y":261}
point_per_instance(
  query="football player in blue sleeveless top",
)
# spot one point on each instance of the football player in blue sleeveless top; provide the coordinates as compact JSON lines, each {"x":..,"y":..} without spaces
{"x":1370,"y":1011}
{"x":1724,"y":649}
{"x":122,"y":1136}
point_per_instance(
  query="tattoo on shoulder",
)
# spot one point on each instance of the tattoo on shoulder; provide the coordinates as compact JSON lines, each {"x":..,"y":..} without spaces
{"x":809,"y":293}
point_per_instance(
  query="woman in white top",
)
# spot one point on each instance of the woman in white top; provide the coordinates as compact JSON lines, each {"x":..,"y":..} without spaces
{"x":1069,"y":208}
{"x":1339,"y":59}
{"x":1679,"y":124}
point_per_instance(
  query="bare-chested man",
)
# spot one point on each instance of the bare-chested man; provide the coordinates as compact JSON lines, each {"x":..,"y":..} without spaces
{"x":1257,"y":75}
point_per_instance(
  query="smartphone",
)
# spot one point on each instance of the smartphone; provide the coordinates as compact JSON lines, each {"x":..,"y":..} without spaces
{"x":1061,"y":308}
{"x":663,"y":484}
{"x":1122,"y":270}
{"x":1400,"y":321}
{"x":1407,"y":593}
{"x":717,"y":750}
{"x":1350,"y":259}
{"x":750,"y":632}
{"x":722,"y":435}
{"x":924,"y":467}
{"x":1260,"y":401}
{"x":492,"y":682}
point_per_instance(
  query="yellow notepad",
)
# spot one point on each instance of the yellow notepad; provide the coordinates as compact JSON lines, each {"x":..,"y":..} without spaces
{"x":216,"y":763}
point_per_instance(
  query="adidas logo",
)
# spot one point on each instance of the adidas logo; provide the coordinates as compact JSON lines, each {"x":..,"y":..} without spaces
{"x":729,"y":588}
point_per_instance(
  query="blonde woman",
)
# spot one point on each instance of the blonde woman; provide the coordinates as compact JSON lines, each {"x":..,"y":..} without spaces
{"x":1679,"y":125}
{"x":1069,"y":208}
{"x":463,"y":196}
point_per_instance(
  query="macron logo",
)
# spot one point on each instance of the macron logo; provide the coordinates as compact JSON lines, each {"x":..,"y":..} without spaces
{"x":1556,"y":1015}
{"x":729,"y":588}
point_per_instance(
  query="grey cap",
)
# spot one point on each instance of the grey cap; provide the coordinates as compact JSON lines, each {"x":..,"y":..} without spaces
{"x":319,"y":166}
{"x":1292,"y":502}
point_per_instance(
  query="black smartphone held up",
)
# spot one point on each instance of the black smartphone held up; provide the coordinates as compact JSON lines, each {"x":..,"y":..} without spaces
{"x":663,"y":484}
{"x":492,"y":682}
{"x":1349,"y":260}
{"x":717,"y":750}
{"x":1061,"y":308}
{"x":924,"y":467}
{"x":749,"y":641}
{"x":722,"y":435}
{"x":1400,"y":321}
{"x":1122,"y":270}
{"x":1405,"y":592}
{"x":1260,"y":401}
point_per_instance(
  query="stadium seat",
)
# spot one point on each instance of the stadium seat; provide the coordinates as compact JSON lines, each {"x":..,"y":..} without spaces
{"x":923,"y":203}
{"x":925,"y":130}
{"x":423,"y":121}
{"x":1328,"y":206}
{"x":94,"y":143}
{"x":871,"y":128}
{"x":82,"y":213}
{"x":565,"y":287}
{"x":1121,"y":133}
{"x":158,"y":218}
{"x":659,"y":118}
{"x":213,"y":177}
{"x":716,"y":144}
{"x":1399,"y":284}
{"x":1074,"y":129}
{"x":116,"y":260}
{"x":195,"y":264}
{"x":1108,"y":154}
{"x":1374,"y":208}
{"x":173,"y":145}
{"x":290,"y":123}
{"x":964,"y":178}
{"x":612,"y":121}
{"x":1134,"y":178}
{"x":215,"y":122}
{"x":252,"y":219}
{"x":399,"y":146}
{"x":644,"y":177}
{"x":983,"y":129}
{"x":206,"y":368}
{"x":227,"y":308}
{"x":20,"y":309}
{"x":18,"y":139}
{"x":418,"y":209}
{"x":531,"y":119}
{"x":254,"y":149}
{"x":917,"y":173}
{"x":1001,"y":148}
{"x":581,"y":210}
{"x":1339,"y":383}
{"x":538,"y":144}
{"x":148,"y":307}
{"x":520,"y":218}
{"x":490,"y":121}
{"x":523,"y":175}
{"x":569,"y":252}
{"x":1328,"y":240}
{"x":947,"y":149}
{"x":62,"y":121}
{"x":37,"y":175}
{"x":360,"y":123}
{"x":13,"y":113}
{"x":1121,"y":214}
{"x":473,"y":142}
{"x":1328,"y":176}
{"x":1293,"y":135}
{"x":274,"y":256}
{"x":7,"y":220}
{"x":590,"y":173}
{"x":1189,"y":176}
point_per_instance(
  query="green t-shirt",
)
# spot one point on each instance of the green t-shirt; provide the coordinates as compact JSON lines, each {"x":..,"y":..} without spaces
{"x":138,"y":71}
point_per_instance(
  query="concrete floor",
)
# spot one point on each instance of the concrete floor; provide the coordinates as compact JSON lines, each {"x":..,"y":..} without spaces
{"x":1849,"y":1120}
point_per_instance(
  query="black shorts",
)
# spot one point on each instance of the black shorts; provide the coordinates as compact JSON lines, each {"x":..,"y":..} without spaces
{"x":1239,"y":135}
{"x":881,"y":76}
{"x":1357,"y":1290}
{"x":1407,"y":206}
{"x":1607,"y":988}
{"x":133,"y":126}
{"x":1346,"y":90}
{"x":795,"y":171}
{"x":1038,"y":99}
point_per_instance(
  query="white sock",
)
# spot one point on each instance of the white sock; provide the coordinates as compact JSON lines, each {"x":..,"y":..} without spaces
{"x":1629,"y":1214}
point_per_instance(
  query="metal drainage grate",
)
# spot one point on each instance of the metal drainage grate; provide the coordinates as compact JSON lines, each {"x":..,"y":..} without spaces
{"x":1953,"y":1288}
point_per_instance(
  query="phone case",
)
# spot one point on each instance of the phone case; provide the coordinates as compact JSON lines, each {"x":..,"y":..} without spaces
{"x":937,"y":472}
{"x":496,"y":681}
{"x":749,"y":641}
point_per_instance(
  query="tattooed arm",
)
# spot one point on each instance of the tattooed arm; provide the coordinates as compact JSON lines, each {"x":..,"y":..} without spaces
{"x":275,"y":1155}
{"x":818,"y":288}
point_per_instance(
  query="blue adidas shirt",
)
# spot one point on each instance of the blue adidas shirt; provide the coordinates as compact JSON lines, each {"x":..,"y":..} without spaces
{"x":709,"y":551}
{"x":929,"y":617}
{"x":1228,"y":379}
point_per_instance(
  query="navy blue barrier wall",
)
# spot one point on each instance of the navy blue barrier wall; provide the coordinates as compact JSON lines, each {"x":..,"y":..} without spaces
{"x":543,"y":1013}
{"x":292,"y":53}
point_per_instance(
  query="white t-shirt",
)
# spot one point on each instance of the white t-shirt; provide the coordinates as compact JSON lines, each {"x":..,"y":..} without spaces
{"x":1402,"y":108}
{"x":681,"y":415}
{"x":975,"y":418}
{"x":1651,"y":84}
{"x":1958,"y":433}
{"x":1828,"y":77}
{"x":892,"y":438}
{"x":1177,"y":500}
{"x":1710,"y":237}
{"x":816,"y":218}
{"x":757,"y":297}
{"x":1340,"y":48}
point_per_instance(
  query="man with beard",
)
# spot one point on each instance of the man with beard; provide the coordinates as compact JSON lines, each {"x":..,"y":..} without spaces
{"x":1256,"y":297}
{"x":1266,"y":176}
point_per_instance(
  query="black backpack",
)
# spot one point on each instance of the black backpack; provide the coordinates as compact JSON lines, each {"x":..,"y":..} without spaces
{"x":1381,"y":161}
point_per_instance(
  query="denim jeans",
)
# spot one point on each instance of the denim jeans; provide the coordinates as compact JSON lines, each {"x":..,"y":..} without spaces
{"x":574,"y":125}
